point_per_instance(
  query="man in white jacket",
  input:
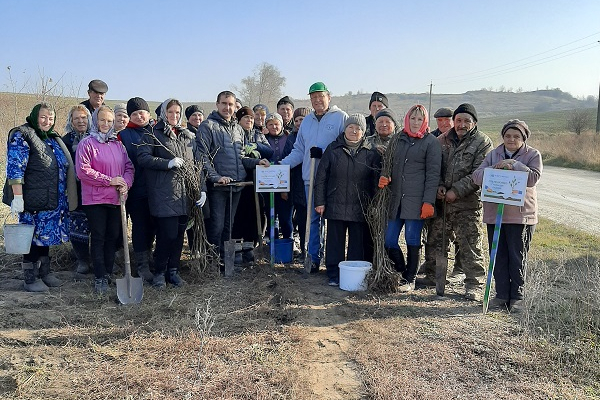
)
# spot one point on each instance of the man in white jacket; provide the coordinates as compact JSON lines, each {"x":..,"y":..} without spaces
{"x":318,"y":130}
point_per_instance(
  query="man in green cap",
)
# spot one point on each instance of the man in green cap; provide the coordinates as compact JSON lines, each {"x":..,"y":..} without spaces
{"x":318,"y":130}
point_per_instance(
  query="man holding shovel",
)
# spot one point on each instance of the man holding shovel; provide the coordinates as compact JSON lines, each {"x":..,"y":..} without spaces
{"x":221,"y":140}
{"x":318,"y":130}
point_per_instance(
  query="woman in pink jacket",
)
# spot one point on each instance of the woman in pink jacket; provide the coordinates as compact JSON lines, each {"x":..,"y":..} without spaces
{"x":518,"y":223}
{"x":105,"y":172}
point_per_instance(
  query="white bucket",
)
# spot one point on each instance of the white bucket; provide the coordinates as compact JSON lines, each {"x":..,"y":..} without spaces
{"x":353,"y":275}
{"x":17,"y":238}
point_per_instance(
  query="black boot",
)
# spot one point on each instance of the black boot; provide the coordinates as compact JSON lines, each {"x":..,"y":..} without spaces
{"x":398,"y":259}
{"x":412,"y":265}
{"x":143,"y":266}
{"x":174,"y":278}
{"x":32,"y":283}
{"x":82,"y":253}
{"x":49,"y":278}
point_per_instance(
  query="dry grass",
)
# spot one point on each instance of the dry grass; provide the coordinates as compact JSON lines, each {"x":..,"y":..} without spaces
{"x":569,"y":150}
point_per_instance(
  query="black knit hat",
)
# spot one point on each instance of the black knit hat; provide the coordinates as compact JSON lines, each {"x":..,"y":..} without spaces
{"x":387,"y":112}
{"x":376,"y":96}
{"x":242,"y":112}
{"x":285,"y":100}
{"x":466,"y":108}
{"x":135,"y":104}
{"x":193,"y":109}
{"x":519,"y":125}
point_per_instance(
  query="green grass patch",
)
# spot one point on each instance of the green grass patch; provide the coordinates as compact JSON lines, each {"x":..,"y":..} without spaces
{"x":552,"y":240}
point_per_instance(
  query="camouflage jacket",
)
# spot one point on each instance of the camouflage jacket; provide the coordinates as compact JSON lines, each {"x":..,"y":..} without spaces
{"x":460,"y":158}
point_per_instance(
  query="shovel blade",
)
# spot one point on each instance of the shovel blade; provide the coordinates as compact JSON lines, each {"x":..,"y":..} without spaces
{"x":130,"y":290}
{"x":441,"y":270}
{"x":229,"y":257}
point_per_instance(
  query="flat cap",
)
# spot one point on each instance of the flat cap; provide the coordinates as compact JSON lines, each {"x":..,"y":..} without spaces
{"x":443,"y":112}
{"x":98,"y":86}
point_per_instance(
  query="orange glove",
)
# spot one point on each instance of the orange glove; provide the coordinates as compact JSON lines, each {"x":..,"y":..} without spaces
{"x":383,"y":182}
{"x":426,"y":211}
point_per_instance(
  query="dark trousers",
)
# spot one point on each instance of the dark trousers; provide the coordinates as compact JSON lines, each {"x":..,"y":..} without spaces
{"x":219,"y":224}
{"x":143,"y":227}
{"x":105,"y":226}
{"x":336,"y":243}
{"x":169,"y":242}
{"x":244,"y":223}
{"x":511,"y":259}
{"x":35,"y":252}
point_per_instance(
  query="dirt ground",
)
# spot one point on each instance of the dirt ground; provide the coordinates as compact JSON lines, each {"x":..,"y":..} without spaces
{"x":264,"y":333}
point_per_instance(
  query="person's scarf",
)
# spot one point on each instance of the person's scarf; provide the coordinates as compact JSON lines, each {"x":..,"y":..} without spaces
{"x":353,"y":146}
{"x":77,"y":136}
{"x":32,"y":120}
{"x":95,"y":132}
{"x":171,"y":130}
{"x":424,"y":126}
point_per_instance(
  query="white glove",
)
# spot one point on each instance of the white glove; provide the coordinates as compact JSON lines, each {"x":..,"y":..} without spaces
{"x":176,"y":163}
{"x":202,"y":200}
{"x":17,"y":205}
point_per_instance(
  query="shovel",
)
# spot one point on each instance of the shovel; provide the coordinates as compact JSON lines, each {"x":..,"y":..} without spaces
{"x":130,"y":290}
{"x":229,"y":245}
{"x":441,"y":261}
{"x":309,"y":202}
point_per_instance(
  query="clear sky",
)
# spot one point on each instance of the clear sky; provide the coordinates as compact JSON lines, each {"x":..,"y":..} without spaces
{"x":192,"y":50}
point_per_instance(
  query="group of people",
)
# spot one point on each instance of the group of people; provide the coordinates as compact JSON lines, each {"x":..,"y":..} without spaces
{"x":71,"y":188}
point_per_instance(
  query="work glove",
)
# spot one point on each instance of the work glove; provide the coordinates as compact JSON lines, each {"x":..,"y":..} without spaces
{"x":384,"y":181}
{"x":202,"y":200}
{"x":426,"y":211}
{"x":17,"y":205}
{"x":175,"y":163}
{"x":316,"y":152}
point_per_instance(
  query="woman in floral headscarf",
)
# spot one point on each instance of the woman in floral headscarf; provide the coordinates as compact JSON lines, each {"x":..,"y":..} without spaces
{"x":106,"y":173}
{"x":39,"y":177}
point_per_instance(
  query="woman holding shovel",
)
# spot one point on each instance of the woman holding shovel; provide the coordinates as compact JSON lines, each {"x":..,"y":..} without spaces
{"x":518,"y":223}
{"x":168,"y":156}
{"x":106,"y":174}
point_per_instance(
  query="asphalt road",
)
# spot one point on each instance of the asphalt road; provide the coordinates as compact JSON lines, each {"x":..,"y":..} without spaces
{"x":570,"y":197}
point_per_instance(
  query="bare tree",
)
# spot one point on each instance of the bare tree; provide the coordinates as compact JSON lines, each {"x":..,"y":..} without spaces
{"x":264,"y":86}
{"x":579,"y":120}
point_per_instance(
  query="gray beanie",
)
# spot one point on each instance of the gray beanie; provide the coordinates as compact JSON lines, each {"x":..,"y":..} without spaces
{"x":519,"y":125}
{"x":357,"y":119}
{"x":121,"y":108}
{"x":272,"y":116}
{"x":387,"y":112}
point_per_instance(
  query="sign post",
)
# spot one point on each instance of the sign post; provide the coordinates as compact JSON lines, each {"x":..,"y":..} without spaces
{"x":271,"y":179}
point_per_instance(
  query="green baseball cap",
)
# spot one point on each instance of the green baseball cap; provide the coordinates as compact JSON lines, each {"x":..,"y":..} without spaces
{"x":318,"y":87}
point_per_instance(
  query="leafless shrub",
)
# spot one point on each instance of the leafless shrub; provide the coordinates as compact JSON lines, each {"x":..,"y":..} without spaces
{"x":579,"y":120}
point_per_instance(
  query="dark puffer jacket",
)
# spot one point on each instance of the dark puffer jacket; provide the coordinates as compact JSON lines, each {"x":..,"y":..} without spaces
{"x":460,"y":158}
{"x":221,"y":144}
{"x":167,"y":194}
{"x":415,"y":174}
{"x":346,"y":182}
{"x":131,"y":137}
{"x":296,"y":181}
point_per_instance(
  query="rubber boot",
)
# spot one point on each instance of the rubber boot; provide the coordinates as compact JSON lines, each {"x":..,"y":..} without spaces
{"x":143,"y":266}
{"x":158,"y":280}
{"x":398,"y":259}
{"x":174,"y":278}
{"x":412,"y":265}
{"x":32,"y":283}
{"x":49,"y":278}
{"x":82,"y":253}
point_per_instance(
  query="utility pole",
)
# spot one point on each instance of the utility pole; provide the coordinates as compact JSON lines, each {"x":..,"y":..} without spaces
{"x":598,"y":113}
{"x":430,"y":90}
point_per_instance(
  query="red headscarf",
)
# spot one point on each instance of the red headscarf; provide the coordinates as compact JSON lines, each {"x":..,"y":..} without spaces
{"x":424,"y":127}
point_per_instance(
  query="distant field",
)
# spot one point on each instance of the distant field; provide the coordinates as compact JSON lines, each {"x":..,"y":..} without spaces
{"x":546,"y":122}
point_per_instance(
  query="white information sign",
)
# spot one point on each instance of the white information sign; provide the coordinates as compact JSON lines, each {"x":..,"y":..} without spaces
{"x":275,"y":178}
{"x":504,"y":186}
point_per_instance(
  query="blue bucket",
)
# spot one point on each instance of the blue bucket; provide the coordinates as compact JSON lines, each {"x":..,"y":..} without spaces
{"x":284,"y":250}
